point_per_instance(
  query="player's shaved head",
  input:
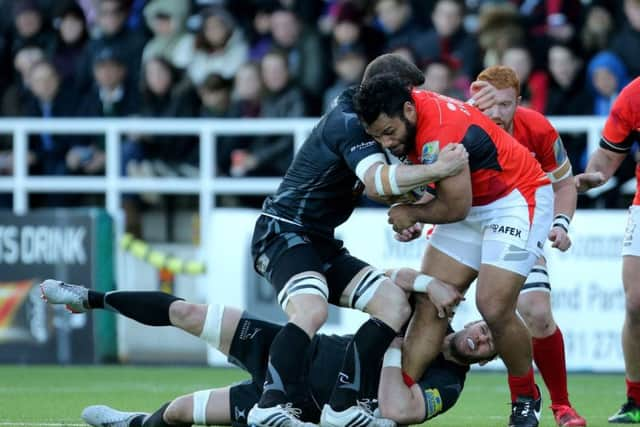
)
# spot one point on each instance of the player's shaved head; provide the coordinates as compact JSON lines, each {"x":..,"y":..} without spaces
{"x":501,"y":77}
{"x":396,"y":65}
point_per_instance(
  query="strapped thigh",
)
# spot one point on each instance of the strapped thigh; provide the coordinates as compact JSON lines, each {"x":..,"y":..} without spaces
{"x":366,"y":288}
{"x":303,"y":284}
{"x":537,"y":280}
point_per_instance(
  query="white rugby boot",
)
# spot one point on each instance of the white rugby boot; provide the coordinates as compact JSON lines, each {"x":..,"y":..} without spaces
{"x":104,"y":416}
{"x":276,"y":416}
{"x":74,"y":297}
{"x":359,"y":415}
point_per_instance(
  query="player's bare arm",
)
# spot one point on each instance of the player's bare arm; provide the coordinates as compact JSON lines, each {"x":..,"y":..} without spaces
{"x":404,"y":404}
{"x":602,"y":165}
{"x":451,"y":204}
{"x":385,"y":182}
{"x":444,"y":296}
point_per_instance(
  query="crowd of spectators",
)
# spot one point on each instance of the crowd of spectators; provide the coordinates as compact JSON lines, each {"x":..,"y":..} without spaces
{"x":286,"y":58}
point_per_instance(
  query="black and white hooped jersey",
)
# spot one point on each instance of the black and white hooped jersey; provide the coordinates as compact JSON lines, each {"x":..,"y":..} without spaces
{"x":324,"y":182}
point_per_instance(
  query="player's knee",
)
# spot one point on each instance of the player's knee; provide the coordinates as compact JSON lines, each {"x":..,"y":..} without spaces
{"x":179,"y":411}
{"x":310,"y":316}
{"x":494,"y":313}
{"x":390,"y":305}
{"x":633,"y":305}
{"x":187,"y":316}
{"x":539,"y":320}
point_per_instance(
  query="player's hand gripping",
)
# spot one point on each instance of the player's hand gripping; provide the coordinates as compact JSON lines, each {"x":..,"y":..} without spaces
{"x":588,"y":180}
{"x":401,"y":217}
{"x":559,"y":238}
{"x":452,"y":160}
{"x":445,"y":297}
{"x":409,"y":234}
{"x":483,"y":95}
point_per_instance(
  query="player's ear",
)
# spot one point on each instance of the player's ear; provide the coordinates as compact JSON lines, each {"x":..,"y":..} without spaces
{"x":518,"y":100}
{"x":409,"y":110}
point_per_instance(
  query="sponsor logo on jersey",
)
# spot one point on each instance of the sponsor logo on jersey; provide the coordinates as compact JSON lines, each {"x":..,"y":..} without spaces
{"x":433,"y":402}
{"x":362,"y":146}
{"x":430,"y":152}
{"x":505,"y":229}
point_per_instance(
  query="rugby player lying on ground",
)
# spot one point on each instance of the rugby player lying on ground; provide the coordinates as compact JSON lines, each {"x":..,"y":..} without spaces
{"x":246,"y":341}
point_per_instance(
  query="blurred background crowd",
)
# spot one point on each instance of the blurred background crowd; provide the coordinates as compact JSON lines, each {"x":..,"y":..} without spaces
{"x":286,"y":58}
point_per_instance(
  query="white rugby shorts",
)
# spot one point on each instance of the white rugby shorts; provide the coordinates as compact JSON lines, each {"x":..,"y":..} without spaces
{"x":500,"y":233}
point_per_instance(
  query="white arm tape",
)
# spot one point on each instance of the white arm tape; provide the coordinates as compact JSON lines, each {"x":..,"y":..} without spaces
{"x":378,"y":180}
{"x":392,"y":180}
{"x":421,"y":283}
{"x":363,"y":165}
{"x":562,"y":221}
{"x":392,"y":358}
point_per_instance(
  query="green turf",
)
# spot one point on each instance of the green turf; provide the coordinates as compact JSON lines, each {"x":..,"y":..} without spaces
{"x":48,"y":396}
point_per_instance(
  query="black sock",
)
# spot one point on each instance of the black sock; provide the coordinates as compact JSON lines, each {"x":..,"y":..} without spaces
{"x":150,"y":308}
{"x":96,"y":299}
{"x":285,"y":378}
{"x":361,"y":364}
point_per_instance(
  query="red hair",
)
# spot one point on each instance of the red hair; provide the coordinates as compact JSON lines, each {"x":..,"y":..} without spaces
{"x":501,"y":77}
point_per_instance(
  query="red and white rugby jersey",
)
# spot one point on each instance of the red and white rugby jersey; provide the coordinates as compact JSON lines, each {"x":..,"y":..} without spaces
{"x":498,"y":163}
{"x":622,"y":127}
{"x":534,"y":131}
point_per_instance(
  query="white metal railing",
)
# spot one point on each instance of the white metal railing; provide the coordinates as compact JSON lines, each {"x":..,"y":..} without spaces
{"x":207,"y":186}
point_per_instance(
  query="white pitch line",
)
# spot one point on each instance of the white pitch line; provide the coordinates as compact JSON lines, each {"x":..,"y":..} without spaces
{"x":20,"y":424}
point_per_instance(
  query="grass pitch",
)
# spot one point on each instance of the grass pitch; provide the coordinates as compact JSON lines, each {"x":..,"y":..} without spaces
{"x":41,"y":396}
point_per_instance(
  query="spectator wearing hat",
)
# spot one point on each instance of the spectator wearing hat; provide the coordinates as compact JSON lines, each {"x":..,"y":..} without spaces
{"x":70,"y":40}
{"x":349,"y":62}
{"x":166,"y":19}
{"x":606,"y":76}
{"x":215,"y":96}
{"x":112,"y":33}
{"x":30,"y":26}
{"x":220,"y":46}
{"x":349,"y":29}
{"x":112,"y":97}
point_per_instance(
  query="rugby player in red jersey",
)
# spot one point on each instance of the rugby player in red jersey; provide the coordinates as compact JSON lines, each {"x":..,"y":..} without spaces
{"x":621,"y":130}
{"x":494,"y":216}
{"x":538,"y":135}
